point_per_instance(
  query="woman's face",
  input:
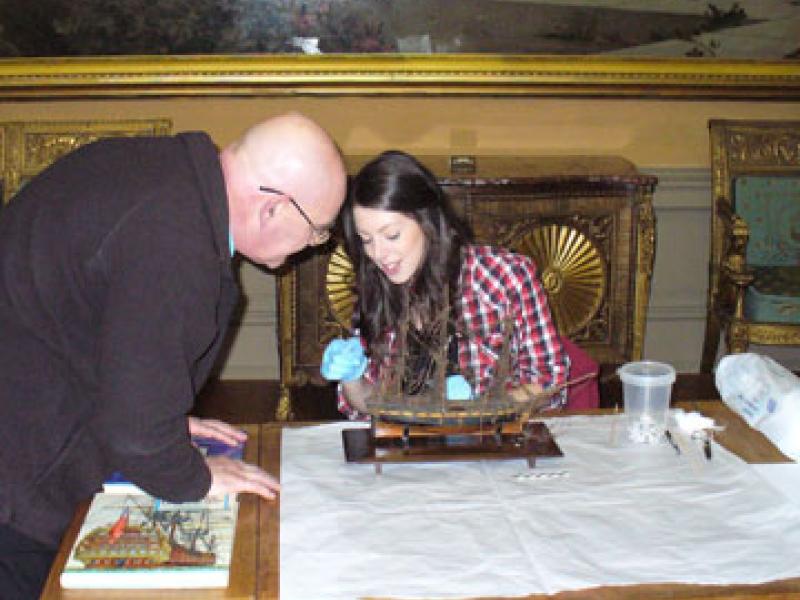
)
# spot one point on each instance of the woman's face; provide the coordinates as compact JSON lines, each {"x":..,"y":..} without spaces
{"x":393,"y":241}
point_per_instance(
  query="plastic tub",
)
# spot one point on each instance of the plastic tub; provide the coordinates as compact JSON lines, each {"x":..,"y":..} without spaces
{"x":646,"y":393}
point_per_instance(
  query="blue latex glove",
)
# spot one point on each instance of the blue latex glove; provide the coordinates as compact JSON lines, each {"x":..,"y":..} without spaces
{"x":458,"y":388}
{"x":343,"y":360}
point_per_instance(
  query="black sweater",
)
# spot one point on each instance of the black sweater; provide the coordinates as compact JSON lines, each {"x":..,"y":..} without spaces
{"x":116,"y":290}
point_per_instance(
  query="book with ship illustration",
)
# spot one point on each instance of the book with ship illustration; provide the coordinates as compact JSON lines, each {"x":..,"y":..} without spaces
{"x":135,"y":541}
{"x":117,"y":483}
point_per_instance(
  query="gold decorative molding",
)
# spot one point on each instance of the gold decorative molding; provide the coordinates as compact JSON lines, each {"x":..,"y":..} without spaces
{"x":772,"y":335}
{"x":29,"y":146}
{"x":340,"y":280}
{"x":755,"y":148}
{"x":645,"y":261}
{"x":366,"y":74}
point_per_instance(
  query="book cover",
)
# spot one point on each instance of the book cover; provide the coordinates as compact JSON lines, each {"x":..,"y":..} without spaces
{"x":119,"y":484}
{"x":135,"y":541}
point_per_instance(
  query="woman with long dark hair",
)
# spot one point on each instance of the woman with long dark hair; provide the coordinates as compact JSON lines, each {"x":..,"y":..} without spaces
{"x":412,"y":257}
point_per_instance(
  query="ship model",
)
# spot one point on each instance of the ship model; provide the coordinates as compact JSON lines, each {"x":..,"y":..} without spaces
{"x":426,"y":426}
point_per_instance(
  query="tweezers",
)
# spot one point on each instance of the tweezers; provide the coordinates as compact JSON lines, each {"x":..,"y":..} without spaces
{"x":672,"y":443}
{"x":707,"y":447}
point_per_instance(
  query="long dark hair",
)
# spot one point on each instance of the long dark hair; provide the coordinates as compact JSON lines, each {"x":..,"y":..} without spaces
{"x":397,"y":182}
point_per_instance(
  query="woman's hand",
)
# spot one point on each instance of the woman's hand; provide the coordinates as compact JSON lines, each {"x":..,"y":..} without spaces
{"x":531,"y":393}
{"x":343,"y":360}
{"x":458,"y":388}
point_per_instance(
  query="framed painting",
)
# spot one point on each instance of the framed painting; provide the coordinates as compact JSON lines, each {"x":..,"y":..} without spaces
{"x":680,"y":48}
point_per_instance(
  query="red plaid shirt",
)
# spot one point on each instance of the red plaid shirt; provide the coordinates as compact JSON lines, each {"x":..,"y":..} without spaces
{"x":495,"y":283}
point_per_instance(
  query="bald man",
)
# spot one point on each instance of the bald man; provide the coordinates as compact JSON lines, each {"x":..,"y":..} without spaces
{"x":116,"y":290}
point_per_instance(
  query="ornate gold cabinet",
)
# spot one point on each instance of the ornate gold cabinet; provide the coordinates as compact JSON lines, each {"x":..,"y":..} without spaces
{"x":587,"y":222}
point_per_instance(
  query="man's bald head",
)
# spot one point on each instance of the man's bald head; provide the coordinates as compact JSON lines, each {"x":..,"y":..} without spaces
{"x":294,"y":155}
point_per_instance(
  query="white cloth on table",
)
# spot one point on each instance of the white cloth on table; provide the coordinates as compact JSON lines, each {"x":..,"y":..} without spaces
{"x":626,"y":514}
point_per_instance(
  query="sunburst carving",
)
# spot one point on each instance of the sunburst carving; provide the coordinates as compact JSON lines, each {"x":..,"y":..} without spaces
{"x":572,"y":271}
{"x":339,"y":287}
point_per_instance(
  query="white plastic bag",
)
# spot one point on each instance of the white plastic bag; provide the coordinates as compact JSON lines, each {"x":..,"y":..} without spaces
{"x":766,"y":395}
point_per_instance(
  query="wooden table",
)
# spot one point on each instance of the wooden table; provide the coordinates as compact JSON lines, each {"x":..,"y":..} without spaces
{"x":256,"y":569}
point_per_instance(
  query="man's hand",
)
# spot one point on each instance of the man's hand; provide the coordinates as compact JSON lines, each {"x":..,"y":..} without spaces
{"x":230,"y":476}
{"x":218,"y":430}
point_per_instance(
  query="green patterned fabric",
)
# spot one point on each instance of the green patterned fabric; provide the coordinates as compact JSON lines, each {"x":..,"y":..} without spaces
{"x":771,"y":207}
{"x":774,"y":296}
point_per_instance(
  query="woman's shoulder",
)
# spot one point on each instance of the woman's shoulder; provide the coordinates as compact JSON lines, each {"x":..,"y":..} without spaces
{"x":485,"y":256}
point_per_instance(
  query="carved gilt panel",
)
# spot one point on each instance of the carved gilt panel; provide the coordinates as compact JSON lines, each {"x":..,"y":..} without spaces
{"x":27,"y":147}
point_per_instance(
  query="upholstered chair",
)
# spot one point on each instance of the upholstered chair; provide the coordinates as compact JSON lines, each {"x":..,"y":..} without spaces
{"x":754,"y":286}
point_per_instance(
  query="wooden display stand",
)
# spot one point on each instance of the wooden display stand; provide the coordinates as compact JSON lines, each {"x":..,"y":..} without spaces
{"x":397,"y":443}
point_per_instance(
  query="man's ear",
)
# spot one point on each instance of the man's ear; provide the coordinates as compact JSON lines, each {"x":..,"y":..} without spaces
{"x":267,"y":211}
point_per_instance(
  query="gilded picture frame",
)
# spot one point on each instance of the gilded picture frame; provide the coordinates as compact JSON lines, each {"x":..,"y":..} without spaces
{"x":623,"y":48}
{"x":397,"y":74}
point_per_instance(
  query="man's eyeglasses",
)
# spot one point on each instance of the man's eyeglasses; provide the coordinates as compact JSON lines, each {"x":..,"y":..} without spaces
{"x":319,"y":235}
